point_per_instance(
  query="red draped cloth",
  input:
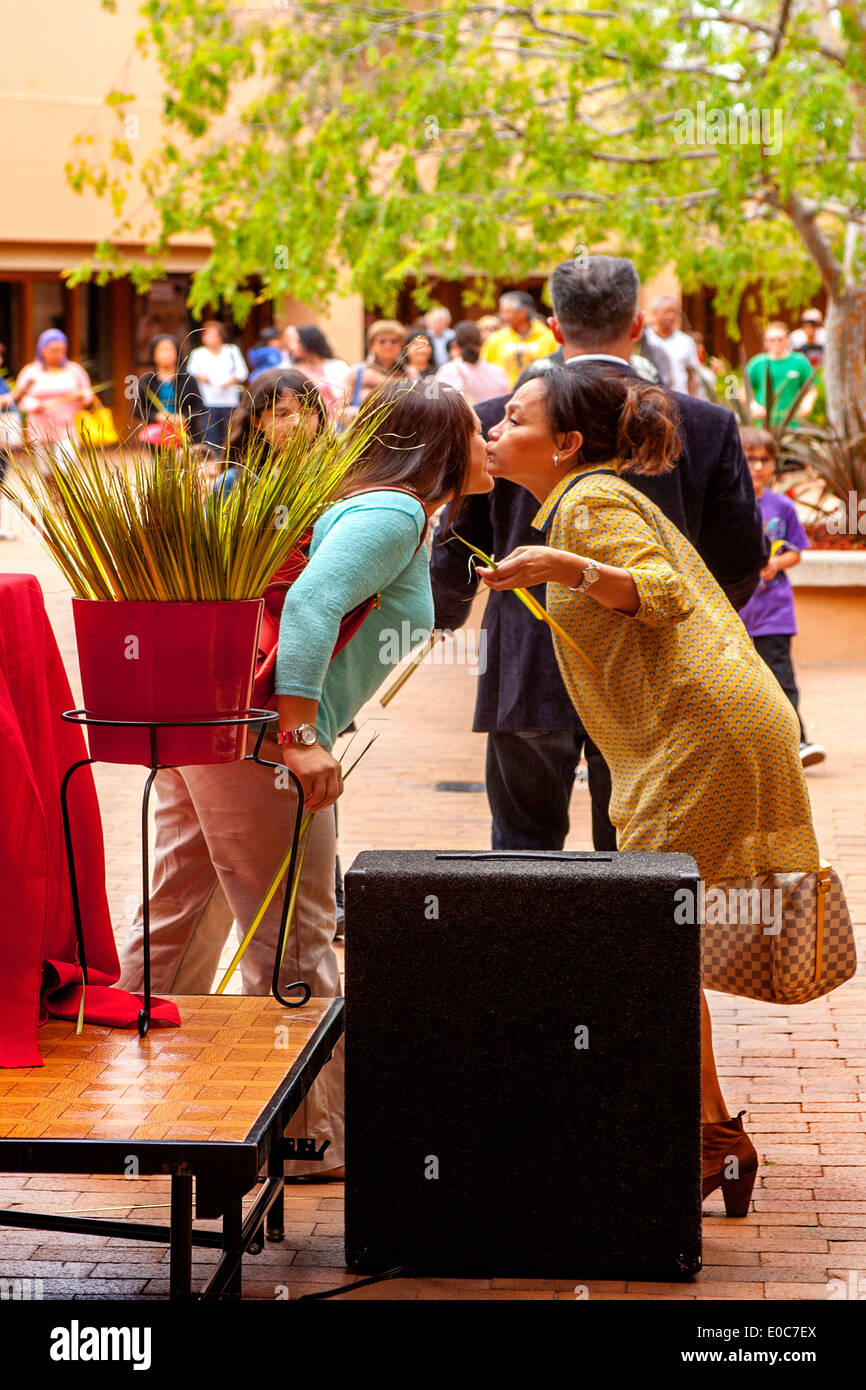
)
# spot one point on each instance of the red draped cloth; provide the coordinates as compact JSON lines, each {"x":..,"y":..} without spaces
{"x":39,"y":972}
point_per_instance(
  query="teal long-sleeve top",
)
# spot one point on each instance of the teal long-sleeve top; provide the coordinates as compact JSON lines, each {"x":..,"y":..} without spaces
{"x":361,"y":546}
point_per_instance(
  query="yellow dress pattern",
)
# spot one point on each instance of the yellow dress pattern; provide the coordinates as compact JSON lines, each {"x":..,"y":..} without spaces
{"x":702,"y":744}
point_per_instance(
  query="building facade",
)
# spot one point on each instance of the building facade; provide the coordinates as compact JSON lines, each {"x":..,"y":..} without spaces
{"x":46,"y":229}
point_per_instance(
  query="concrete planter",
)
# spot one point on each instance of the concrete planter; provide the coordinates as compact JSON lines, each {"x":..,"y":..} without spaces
{"x":830,"y":601}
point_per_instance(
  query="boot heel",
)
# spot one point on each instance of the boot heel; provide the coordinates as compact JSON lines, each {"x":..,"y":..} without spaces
{"x":737,"y":1193}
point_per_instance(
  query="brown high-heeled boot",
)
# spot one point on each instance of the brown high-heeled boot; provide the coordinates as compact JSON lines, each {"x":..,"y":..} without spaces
{"x":729,"y":1161}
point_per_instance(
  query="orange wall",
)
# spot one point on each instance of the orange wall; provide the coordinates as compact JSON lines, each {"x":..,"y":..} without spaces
{"x":60,"y":59}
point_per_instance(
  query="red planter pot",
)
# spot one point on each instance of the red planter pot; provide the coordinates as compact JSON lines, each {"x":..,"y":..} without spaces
{"x":167,"y":661}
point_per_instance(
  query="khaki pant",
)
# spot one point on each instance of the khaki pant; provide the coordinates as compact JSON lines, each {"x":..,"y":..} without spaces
{"x":221,"y":831}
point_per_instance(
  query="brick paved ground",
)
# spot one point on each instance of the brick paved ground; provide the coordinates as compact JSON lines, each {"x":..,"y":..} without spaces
{"x":800,"y":1073}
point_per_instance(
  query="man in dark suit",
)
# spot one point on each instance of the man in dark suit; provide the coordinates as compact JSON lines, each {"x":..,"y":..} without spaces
{"x":535,"y":738}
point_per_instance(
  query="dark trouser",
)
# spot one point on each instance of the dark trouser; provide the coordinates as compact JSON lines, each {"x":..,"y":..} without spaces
{"x":216,"y":426}
{"x":529,"y":780}
{"x":775,"y":649}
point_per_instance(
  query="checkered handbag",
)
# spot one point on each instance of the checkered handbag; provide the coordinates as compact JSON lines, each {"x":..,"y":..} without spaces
{"x":786,"y":938}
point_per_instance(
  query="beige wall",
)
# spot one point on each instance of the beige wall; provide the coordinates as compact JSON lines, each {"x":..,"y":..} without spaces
{"x":60,"y":59}
{"x":832,"y":626}
{"x":665,"y":282}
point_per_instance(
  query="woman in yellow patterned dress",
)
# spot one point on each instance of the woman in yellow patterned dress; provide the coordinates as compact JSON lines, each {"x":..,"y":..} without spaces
{"x":702,"y":745}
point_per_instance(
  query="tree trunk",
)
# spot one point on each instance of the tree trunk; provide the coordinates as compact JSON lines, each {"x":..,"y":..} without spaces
{"x":844,"y":354}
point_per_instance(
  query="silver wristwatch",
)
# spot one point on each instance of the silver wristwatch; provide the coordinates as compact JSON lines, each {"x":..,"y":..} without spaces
{"x":305,"y":735}
{"x":590,"y":576}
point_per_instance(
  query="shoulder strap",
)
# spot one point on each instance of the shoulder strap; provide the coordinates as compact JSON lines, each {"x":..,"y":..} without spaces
{"x":389,"y":487}
{"x":579,"y":479}
{"x":275,"y":595}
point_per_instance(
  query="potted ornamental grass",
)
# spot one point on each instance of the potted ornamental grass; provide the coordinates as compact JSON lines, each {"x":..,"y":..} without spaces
{"x":167,"y":576}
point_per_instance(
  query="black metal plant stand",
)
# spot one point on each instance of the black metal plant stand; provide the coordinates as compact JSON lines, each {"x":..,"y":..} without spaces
{"x":263,"y":717}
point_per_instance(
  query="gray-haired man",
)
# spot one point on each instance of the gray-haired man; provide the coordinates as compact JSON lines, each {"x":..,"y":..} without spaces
{"x":679,"y":347}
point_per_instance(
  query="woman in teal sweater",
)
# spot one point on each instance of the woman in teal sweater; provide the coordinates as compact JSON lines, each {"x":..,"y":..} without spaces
{"x":222,"y":830}
{"x":369,"y":542}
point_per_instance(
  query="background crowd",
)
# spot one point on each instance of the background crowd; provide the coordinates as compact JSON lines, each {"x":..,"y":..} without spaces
{"x":219,"y":400}
{"x":198,"y":391}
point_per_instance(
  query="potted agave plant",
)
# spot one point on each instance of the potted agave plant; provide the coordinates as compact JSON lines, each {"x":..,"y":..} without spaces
{"x":167,"y":578}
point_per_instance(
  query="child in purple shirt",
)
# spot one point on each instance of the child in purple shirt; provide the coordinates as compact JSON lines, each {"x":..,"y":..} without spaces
{"x":769,"y":615}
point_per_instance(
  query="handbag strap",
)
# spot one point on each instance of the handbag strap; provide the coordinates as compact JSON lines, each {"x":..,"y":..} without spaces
{"x":392,"y":487}
{"x":579,"y":479}
{"x":822,"y":886}
{"x":282,"y":580}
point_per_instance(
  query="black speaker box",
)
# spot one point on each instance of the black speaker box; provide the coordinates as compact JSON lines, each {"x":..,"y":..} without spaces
{"x":523,"y":1064}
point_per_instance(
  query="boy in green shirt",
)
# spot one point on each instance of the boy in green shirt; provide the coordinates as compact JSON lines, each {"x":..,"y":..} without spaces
{"x":788,"y":371}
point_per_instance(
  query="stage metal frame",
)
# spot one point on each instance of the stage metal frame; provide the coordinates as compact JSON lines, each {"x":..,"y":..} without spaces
{"x":262,"y":717}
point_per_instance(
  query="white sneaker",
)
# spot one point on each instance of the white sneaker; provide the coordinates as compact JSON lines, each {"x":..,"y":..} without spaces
{"x":811,"y":753}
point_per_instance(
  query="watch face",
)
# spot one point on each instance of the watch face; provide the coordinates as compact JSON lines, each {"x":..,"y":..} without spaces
{"x":308,"y":734}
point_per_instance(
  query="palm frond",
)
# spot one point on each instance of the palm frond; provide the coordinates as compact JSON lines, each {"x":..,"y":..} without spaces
{"x":536,"y":609}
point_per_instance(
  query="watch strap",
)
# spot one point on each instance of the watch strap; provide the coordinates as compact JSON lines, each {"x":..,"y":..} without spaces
{"x":590,"y":575}
{"x":295,"y":737}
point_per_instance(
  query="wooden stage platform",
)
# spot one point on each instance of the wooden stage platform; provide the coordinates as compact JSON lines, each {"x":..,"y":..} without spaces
{"x":208,"y":1101}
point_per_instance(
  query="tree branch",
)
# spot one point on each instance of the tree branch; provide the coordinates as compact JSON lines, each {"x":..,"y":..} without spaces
{"x":803,"y":215}
{"x":779,"y":36}
{"x":772,"y":31}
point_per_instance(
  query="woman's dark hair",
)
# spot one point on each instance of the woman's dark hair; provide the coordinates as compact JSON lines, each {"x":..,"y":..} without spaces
{"x":536,"y":368}
{"x":621,"y":418}
{"x":314,"y":340}
{"x":422,"y":443}
{"x":263,"y":394}
{"x":403,"y":359}
{"x":162,"y":338}
{"x":467,"y":336}
{"x":267,"y":335}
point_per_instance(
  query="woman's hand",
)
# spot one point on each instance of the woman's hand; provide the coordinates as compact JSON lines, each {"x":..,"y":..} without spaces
{"x":533,"y":564}
{"x":318,"y":772}
{"x":541,"y":564}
